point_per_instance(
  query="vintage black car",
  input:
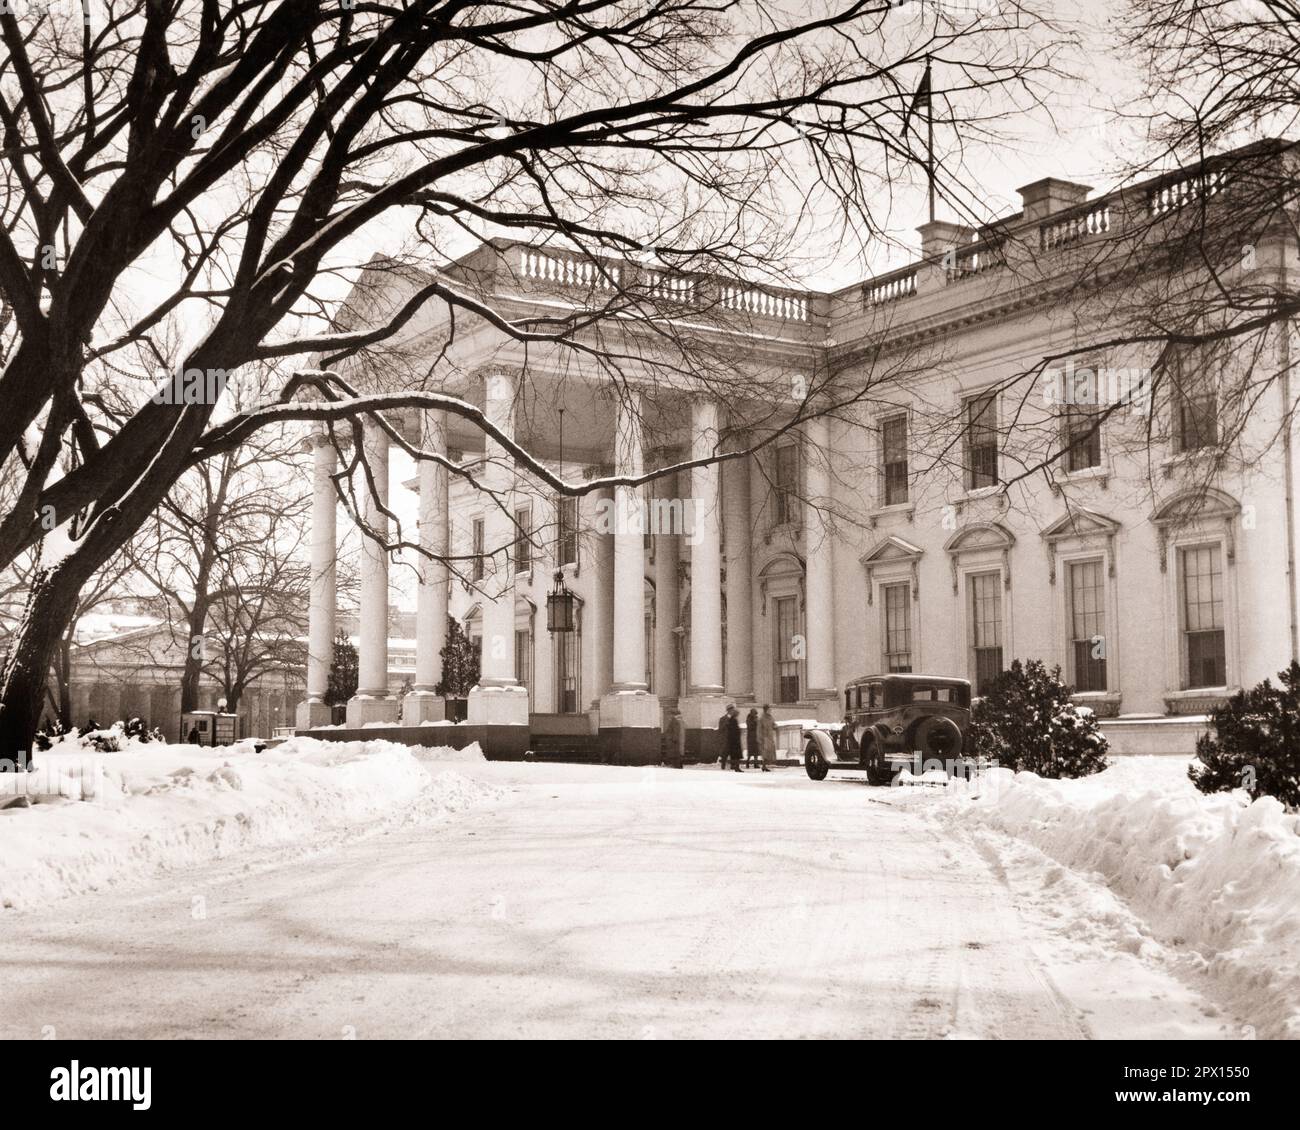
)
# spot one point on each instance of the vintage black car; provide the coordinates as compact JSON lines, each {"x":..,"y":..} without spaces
{"x":891,"y":720}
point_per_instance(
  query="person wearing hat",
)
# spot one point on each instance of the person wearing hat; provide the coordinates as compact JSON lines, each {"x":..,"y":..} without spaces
{"x":729,"y":729}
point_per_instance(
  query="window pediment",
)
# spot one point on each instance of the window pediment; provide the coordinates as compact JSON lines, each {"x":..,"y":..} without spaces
{"x":893,"y":548}
{"x":1207,"y":507}
{"x":1084,"y":525}
{"x":1197,"y":506}
{"x":981,"y":536}
{"x":1081,"y":523}
{"x":892,"y":551}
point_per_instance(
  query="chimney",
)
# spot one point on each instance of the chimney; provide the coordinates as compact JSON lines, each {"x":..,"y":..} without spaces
{"x":939,"y":236}
{"x":1049,"y":195}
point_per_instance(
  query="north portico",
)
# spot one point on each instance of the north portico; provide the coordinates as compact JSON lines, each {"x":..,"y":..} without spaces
{"x":651,"y":571}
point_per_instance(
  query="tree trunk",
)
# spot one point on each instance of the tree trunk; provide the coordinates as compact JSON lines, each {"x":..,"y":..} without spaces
{"x":193,"y":670}
{"x":50,"y":604}
{"x":65,"y":681}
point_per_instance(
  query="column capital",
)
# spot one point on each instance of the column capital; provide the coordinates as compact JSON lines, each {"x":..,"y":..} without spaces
{"x":663,"y":455}
{"x":513,"y":375}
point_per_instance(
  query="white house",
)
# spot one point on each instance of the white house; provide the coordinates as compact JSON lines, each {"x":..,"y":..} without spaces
{"x":908,"y":527}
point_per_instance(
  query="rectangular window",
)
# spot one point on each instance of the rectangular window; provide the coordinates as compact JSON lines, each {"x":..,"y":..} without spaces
{"x":649,"y":652}
{"x":1082,"y":437}
{"x":480,"y":568}
{"x":787,"y":666}
{"x":985,"y":628}
{"x":523,"y":657}
{"x":893,"y":445}
{"x":982,"y":441}
{"x":523,"y":547}
{"x":786,"y":484}
{"x":1195,"y":405}
{"x":1081,"y":422}
{"x":1087,"y":595}
{"x":566,"y":514}
{"x":1204,"y":646}
{"x":897,"y":602}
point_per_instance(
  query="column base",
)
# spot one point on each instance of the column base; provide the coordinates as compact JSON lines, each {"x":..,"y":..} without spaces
{"x":629,"y":728}
{"x":824,"y":703}
{"x":423,"y":706}
{"x":312,"y":715}
{"x":364,"y":709}
{"x":498,"y":706}
{"x":700,"y":714}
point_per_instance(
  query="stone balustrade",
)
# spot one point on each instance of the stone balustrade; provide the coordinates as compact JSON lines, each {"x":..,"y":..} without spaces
{"x":1036,"y":243}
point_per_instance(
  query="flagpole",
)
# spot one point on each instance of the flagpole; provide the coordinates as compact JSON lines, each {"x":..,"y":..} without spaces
{"x":929,"y":135}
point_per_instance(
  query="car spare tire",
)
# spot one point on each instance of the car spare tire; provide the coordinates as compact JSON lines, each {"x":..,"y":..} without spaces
{"x":938,"y":737}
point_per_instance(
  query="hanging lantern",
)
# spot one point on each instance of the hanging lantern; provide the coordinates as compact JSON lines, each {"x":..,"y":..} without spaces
{"x":561,"y":614}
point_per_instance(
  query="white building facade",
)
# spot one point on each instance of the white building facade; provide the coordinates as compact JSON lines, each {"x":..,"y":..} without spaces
{"x":891,"y":513}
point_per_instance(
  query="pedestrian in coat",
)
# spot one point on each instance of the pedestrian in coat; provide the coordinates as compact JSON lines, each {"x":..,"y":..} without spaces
{"x":675,"y":748}
{"x":767,"y":738}
{"x":751,"y":737}
{"x":729,"y":728}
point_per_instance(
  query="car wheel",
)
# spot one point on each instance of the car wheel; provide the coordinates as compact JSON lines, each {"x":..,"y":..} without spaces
{"x":815,"y":763}
{"x":867,"y":759}
{"x":938,"y":737}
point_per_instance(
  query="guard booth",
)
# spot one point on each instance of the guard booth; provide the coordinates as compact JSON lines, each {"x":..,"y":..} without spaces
{"x":211,"y":727}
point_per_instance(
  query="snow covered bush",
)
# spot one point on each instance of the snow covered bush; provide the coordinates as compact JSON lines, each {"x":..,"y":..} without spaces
{"x":1026,"y":721}
{"x":1255,"y":742}
{"x":136,"y":728}
{"x":102,"y":739}
{"x":46,"y":737}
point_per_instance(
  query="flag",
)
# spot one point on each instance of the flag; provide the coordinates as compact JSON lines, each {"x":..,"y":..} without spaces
{"x":921,"y":99}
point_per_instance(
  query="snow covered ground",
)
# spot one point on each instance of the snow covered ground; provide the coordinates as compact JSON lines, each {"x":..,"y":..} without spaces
{"x":599,"y":901}
{"x":153,"y":807}
{"x":1134,"y":860}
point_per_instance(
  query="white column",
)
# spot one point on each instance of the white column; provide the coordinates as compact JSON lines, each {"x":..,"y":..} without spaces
{"x":706,"y":555}
{"x":598,"y":613}
{"x":667,"y":598}
{"x":372,"y":703}
{"x":497,"y":666}
{"x":629,"y":553}
{"x":424,"y":704}
{"x":819,"y":616}
{"x":321,"y":602}
{"x":629,"y":714}
{"x":740,"y":631}
{"x":498,"y":700}
{"x":702,"y":701}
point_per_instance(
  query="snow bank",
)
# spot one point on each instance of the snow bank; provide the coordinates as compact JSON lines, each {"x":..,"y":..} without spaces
{"x":159,"y":807}
{"x":1217,"y":875}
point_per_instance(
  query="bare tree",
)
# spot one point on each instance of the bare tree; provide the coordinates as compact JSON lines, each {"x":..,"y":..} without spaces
{"x":231,"y":530}
{"x":257,"y":615}
{"x":243,"y":154}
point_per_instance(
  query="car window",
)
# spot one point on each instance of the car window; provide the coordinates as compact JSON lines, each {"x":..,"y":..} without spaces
{"x":922,"y":694}
{"x":943,"y":694}
{"x":877,"y":699}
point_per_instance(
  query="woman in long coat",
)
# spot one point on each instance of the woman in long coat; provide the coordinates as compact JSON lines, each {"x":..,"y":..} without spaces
{"x":767,"y":738}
